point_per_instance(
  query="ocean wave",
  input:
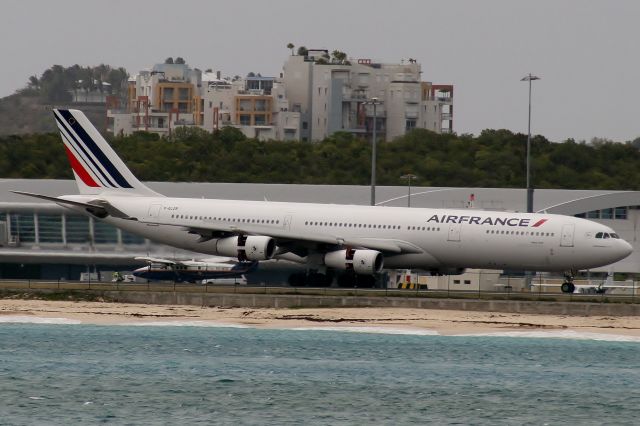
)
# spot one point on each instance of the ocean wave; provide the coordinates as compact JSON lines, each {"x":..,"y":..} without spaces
{"x":557,"y":334}
{"x":27,"y":319}
{"x":373,"y":330}
{"x":539,"y":334}
{"x":201,"y":323}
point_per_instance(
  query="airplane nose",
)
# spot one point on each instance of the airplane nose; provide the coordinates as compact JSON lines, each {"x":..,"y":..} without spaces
{"x":625,"y":248}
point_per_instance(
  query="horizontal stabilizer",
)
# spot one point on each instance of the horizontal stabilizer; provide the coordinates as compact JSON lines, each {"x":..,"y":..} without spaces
{"x":99,"y":208}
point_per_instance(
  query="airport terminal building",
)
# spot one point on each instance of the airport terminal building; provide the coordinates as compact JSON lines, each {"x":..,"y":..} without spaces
{"x":41,"y":240}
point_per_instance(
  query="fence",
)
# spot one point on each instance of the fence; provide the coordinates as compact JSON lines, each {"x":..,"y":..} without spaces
{"x":483,"y":286}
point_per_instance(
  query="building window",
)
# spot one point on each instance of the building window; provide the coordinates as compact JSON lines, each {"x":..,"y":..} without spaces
{"x":260,"y":119}
{"x":245,"y":105}
{"x":104,"y":233}
{"x":50,"y":228}
{"x":410,"y":125}
{"x":22,"y":227}
{"x":261,"y":105}
{"x":77,"y":228}
{"x":128,"y":238}
{"x":620,"y":213}
{"x":245,"y":119}
{"x":606,"y":214}
{"x":593,"y":214}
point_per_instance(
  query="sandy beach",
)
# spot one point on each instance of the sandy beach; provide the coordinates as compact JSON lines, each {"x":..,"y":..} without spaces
{"x":445,"y":322}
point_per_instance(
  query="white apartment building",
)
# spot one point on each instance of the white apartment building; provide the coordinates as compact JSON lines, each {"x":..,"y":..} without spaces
{"x":255,"y":105}
{"x":174,"y":95}
{"x":311,"y":100}
{"x":335,"y":97}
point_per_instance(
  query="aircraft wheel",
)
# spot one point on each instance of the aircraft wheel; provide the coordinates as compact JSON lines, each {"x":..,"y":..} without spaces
{"x":567,"y":287}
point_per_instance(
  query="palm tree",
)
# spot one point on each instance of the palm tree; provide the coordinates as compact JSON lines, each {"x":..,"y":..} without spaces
{"x":291,"y":46}
{"x":34,"y":83}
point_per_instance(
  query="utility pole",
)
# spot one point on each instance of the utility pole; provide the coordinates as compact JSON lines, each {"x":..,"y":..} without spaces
{"x":529,"y":78}
{"x":408,"y":177}
{"x":375,"y":102}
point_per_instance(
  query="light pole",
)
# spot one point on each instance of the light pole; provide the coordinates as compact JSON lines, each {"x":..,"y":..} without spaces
{"x":408,"y":177}
{"x":375,"y":102}
{"x":529,"y":78}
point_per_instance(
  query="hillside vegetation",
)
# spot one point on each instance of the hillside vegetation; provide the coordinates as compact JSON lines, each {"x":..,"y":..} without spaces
{"x":29,"y":109}
{"x":496,"y":158}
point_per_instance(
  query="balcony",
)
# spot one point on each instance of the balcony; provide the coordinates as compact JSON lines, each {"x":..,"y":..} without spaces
{"x":353,"y":95}
{"x":446,"y":116}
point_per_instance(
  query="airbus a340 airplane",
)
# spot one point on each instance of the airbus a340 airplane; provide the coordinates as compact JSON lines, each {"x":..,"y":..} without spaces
{"x":359,"y":239}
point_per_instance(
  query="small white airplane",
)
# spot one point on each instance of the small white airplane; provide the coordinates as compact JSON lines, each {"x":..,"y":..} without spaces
{"x":192,"y":270}
{"x":358,"y":240}
{"x":593,"y":286}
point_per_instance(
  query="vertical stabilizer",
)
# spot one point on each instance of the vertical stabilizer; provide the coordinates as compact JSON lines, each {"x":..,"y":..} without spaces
{"x":96,"y":166}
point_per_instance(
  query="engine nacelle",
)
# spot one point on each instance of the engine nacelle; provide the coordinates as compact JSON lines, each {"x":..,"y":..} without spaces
{"x":365,"y":262}
{"x":252,"y":247}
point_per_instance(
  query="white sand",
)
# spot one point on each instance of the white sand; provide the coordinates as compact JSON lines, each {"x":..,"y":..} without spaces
{"x":415,"y":321}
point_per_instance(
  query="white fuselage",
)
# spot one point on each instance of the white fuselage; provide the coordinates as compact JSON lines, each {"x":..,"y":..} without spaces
{"x":445,"y":238}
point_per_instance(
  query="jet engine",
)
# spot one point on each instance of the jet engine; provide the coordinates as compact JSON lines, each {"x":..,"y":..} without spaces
{"x":365,"y":262}
{"x":252,"y":247}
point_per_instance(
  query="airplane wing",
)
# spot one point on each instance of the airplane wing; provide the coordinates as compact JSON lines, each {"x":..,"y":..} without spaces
{"x":155,"y":260}
{"x":294,"y":242}
{"x":218,"y":259}
{"x":287,"y":239}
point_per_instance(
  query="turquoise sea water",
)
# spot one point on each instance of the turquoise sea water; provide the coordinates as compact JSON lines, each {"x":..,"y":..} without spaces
{"x":86,"y":374}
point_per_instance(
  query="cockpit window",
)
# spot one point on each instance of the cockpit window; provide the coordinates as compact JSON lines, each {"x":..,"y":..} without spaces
{"x":607,"y":235}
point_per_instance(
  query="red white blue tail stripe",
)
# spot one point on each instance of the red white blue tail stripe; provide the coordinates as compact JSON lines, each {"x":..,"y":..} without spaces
{"x":96,"y":166}
{"x":89,"y":162}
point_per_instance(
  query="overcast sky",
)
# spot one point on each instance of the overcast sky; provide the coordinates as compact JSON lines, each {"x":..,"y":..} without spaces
{"x":586,"y":52}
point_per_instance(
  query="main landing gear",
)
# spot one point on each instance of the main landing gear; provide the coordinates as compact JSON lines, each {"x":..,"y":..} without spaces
{"x":568,"y":286}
